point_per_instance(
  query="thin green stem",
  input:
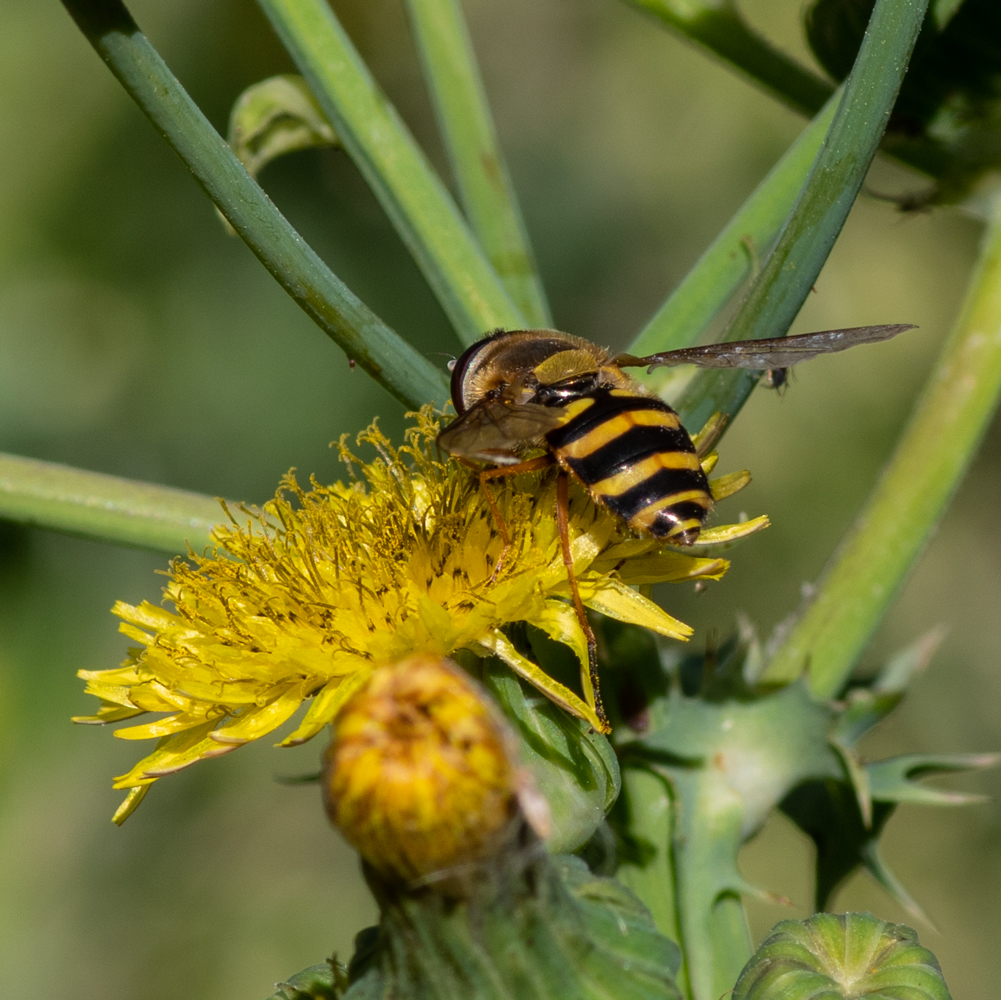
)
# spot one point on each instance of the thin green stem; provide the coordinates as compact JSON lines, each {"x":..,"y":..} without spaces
{"x":478,"y":165}
{"x":409,"y":376}
{"x":105,"y":508}
{"x":719,"y":27}
{"x":928,"y":464}
{"x":734,"y":254}
{"x":396,"y":169}
{"x":815,"y":222}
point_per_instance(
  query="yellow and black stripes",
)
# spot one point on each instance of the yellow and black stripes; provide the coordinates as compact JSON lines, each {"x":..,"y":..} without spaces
{"x":635,"y":458}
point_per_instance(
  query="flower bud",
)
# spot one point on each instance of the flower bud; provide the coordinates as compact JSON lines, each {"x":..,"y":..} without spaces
{"x":420,"y":776}
{"x":841,"y":955}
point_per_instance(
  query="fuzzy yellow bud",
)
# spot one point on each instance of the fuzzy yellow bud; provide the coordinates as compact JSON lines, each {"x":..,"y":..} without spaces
{"x":420,"y":775}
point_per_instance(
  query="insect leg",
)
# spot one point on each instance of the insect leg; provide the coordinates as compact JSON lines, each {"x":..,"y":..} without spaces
{"x":542,"y":462}
{"x":589,"y":681}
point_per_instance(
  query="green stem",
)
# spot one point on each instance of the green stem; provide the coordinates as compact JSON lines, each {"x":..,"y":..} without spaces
{"x":719,"y":27}
{"x":478,"y":165}
{"x":820,"y":212}
{"x":409,"y":376}
{"x":647,"y":802}
{"x":396,"y":169}
{"x":733,"y":255}
{"x":869,"y":568}
{"x":105,"y":508}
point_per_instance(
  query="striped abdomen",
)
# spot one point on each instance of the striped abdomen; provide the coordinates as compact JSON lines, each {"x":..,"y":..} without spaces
{"x":633,"y":455}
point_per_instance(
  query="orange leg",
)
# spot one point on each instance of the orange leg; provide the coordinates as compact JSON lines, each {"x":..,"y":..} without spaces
{"x":563,"y":521}
{"x":532,"y":465}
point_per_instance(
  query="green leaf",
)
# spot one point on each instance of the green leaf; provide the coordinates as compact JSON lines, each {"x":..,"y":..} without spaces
{"x":809,"y":233}
{"x":318,"y":291}
{"x":396,"y":169}
{"x":477,"y":162}
{"x":860,"y":583}
{"x":833,"y":956}
{"x":574,"y":767}
{"x":106,"y":508}
{"x":275,"y":117}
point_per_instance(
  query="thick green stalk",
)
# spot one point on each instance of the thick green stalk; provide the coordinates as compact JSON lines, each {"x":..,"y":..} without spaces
{"x":396,"y":169}
{"x":733,"y":255}
{"x":950,"y":419}
{"x":801,"y":251}
{"x":478,"y":165}
{"x":408,"y":375}
{"x":718,"y":26}
{"x":105,"y":508}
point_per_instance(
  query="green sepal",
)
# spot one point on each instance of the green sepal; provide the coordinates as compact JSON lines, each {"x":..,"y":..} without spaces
{"x":326,"y":981}
{"x":526,"y":925}
{"x":574,"y":767}
{"x":891,"y":780}
{"x":834,"y":956}
{"x":275,"y":117}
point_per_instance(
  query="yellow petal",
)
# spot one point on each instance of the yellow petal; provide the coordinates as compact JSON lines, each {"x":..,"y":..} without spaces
{"x":130,"y":804}
{"x":618,"y":601}
{"x":173,"y":753}
{"x":709,"y":462}
{"x":727,"y":534}
{"x":257,"y":722}
{"x":108,"y":713}
{"x":326,"y":704}
{"x":671,"y":567}
{"x":497,"y":644}
{"x":146,"y":615}
{"x":121,"y":676}
{"x":137,"y":634}
{"x":727,"y":485}
{"x":559,"y":621}
{"x":162,"y":727}
{"x":710,"y":432}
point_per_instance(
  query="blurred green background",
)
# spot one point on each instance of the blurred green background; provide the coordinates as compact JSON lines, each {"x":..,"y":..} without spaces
{"x":137,"y":338}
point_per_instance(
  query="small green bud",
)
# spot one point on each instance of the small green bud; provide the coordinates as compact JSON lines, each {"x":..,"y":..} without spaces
{"x":841,"y":957}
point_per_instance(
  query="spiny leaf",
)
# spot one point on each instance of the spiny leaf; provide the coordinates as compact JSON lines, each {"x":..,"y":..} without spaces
{"x":892,"y":780}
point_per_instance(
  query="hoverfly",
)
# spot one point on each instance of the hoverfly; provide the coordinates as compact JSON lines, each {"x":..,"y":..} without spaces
{"x":518,"y":391}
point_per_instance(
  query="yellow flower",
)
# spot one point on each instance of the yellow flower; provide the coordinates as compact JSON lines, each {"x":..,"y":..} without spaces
{"x":305,"y":598}
{"x":420,"y":776}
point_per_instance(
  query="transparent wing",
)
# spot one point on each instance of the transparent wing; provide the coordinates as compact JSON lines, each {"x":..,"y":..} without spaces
{"x":776,"y":352}
{"x":495,"y":430}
